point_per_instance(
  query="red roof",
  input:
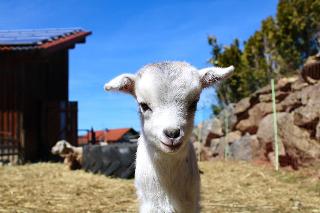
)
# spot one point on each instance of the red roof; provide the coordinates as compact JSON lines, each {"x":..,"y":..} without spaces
{"x":109,"y":135}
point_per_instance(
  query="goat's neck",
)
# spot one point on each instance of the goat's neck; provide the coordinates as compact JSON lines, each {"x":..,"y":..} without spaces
{"x":165,"y":164}
{"x":166,"y":182}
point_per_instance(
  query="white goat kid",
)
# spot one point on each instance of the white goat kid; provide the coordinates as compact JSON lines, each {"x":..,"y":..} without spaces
{"x":167,"y":176}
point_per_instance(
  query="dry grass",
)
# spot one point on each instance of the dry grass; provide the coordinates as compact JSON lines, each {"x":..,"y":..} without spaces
{"x":52,"y":188}
{"x":226,"y":187}
{"x":243,"y":187}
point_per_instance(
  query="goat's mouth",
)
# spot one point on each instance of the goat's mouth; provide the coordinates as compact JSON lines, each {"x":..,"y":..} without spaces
{"x":171,"y":146}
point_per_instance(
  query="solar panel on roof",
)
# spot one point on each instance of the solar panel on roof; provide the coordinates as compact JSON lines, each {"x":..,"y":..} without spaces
{"x":19,"y":42}
{"x":33,"y":37}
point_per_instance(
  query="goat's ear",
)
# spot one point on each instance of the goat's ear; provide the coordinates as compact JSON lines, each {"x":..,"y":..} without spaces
{"x":122,"y":83}
{"x":211,"y":75}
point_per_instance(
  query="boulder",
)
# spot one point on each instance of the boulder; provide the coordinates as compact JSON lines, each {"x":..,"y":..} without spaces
{"x":296,"y":148}
{"x":265,"y":135}
{"x":242,"y":105}
{"x":219,"y":145}
{"x":216,"y":128}
{"x":233,"y":136}
{"x":210,"y":129}
{"x":231,"y":117}
{"x":311,"y":69}
{"x":297,"y":142}
{"x":291,"y":102}
{"x":309,"y":113}
{"x":283,"y":84}
{"x":215,"y":131}
{"x":256,"y":114}
{"x":306,"y":96}
{"x":310,"y":95}
{"x":268,"y":97}
{"x":298,"y":85}
{"x":246,"y":148}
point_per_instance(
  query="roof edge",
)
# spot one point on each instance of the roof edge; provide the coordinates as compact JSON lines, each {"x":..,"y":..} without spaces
{"x":66,"y":42}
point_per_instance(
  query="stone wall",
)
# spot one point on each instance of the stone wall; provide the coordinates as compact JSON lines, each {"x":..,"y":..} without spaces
{"x":250,"y":134}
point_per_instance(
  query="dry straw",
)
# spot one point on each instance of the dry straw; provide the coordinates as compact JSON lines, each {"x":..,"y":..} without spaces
{"x":226,"y":187}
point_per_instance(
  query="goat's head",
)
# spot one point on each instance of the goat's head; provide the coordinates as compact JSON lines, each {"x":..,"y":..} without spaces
{"x":167,"y":94}
{"x":61,"y":148}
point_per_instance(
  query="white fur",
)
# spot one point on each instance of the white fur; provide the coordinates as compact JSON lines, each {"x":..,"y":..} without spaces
{"x":72,"y":155}
{"x":167,"y":176}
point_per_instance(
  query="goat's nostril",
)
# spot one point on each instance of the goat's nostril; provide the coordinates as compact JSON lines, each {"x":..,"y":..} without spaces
{"x":172,"y":133}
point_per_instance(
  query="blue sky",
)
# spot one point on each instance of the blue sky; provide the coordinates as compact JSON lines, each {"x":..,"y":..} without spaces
{"x":127,"y":35}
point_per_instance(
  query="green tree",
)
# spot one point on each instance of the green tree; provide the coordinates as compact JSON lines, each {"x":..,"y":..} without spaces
{"x":228,"y":90}
{"x":279,"y":47}
{"x":297,"y":23}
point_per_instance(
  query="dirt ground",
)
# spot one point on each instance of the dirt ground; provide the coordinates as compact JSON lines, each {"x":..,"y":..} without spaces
{"x":226,"y":187}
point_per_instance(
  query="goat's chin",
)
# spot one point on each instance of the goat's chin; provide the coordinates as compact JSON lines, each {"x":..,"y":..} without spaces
{"x":170,"y":149}
{"x":159,"y":145}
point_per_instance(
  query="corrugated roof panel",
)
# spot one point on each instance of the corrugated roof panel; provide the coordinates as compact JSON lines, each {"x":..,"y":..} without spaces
{"x":32,"y":37}
{"x":22,"y":40}
{"x":25,"y":41}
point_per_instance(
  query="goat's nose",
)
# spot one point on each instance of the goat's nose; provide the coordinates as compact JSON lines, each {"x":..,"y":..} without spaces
{"x":172,"y":133}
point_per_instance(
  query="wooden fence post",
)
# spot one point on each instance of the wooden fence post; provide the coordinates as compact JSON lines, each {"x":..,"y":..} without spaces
{"x":275,"y":127}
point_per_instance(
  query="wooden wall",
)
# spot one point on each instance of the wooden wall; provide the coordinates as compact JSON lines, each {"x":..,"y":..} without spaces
{"x":27,"y":84}
{"x":11,"y":103}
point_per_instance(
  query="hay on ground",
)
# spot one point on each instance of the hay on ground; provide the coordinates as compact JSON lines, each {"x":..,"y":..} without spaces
{"x":226,"y":187}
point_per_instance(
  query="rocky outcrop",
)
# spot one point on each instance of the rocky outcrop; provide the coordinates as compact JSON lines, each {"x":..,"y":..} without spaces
{"x":250,"y":135}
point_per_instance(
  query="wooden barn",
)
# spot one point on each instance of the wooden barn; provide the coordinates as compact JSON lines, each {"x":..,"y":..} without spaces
{"x":35,"y":110}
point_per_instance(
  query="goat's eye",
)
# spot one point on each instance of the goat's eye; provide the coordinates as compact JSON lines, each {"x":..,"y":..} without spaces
{"x":193,"y":105}
{"x":144,"y":107}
